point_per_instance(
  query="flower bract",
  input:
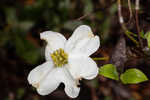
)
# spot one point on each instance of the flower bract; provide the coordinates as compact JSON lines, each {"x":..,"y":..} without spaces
{"x":67,"y":61}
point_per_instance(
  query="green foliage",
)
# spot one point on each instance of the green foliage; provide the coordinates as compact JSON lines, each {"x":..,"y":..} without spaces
{"x":20,"y":93}
{"x":88,"y":6}
{"x":133,"y":76}
{"x":147,"y":36}
{"x":71,"y":25}
{"x":109,"y":71}
{"x":130,"y":76}
{"x":31,"y":18}
{"x":26,"y":50}
{"x":142,"y":34}
{"x":106,"y":23}
{"x":107,"y":98}
{"x":131,"y":33}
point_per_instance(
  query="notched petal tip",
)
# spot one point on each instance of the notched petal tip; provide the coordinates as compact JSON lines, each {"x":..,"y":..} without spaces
{"x":51,"y":35}
{"x":42,"y":92}
{"x":39,"y":73}
{"x":84,"y":27}
{"x":45,"y":35}
{"x":94,"y":75}
{"x":36,"y":85}
{"x":72,"y":91}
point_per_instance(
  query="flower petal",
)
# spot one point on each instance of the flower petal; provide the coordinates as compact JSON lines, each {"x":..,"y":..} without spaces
{"x":87,"y":46}
{"x":50,"y":83}
{"x":79,"y":33}
{"x":71,"y":88}
{"x":83,"y":41}
{"x":37,"y":74}
{"x":83,"y":67}
{"x":55,"y":77}
{"x":48,"y":53}
{"x":55,"y":41}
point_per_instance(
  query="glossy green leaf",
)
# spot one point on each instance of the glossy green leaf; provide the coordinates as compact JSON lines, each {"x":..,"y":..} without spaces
{"x":109,"y":71}
{"x":133,"y":76}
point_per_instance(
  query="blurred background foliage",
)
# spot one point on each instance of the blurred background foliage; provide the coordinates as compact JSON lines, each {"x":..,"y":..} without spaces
{"x":22,"y":21}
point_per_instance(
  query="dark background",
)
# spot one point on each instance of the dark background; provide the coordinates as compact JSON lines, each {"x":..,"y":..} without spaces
{"x":21,"y":49}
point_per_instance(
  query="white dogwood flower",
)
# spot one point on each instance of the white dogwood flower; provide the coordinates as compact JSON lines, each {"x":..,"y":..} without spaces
{"x":67,"y":61}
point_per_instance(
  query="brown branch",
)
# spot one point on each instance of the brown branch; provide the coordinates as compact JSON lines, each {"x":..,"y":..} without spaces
{"x":82,"y":17}
{"x":137,"y":21}
{"x":121,"y":20}
{"x":130,"y":10}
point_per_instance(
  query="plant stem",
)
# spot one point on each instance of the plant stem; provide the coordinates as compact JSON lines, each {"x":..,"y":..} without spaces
{"x":130,"y":10}
{"x":137,"y":21}
{"x":100,"y":58}
{"x":123,"y":26}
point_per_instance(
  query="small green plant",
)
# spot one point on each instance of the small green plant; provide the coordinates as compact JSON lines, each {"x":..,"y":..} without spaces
{"x":130,"y":76}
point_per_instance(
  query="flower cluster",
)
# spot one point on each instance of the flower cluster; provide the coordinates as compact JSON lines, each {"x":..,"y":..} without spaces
{"x":67,"y":61}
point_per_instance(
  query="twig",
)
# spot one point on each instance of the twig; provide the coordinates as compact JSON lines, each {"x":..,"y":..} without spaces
{"x":130,"y":10}
{"x":120,"y":14}
{"x":121,"y":20}
{"x":82,"y":17}
{"x":133,"y":34}
{"x":137,"y":21}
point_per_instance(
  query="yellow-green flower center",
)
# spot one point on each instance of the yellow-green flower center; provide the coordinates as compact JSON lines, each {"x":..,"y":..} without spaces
{"x":59,"y":57}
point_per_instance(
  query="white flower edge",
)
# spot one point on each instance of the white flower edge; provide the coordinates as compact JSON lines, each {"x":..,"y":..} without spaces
{"x":46,"y":77}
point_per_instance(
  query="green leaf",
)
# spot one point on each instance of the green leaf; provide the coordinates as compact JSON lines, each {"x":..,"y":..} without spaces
{"x":142,"y":34}
{"x":133,"y":76}
{"x":109,"y":71}
{"x":147,"y":36}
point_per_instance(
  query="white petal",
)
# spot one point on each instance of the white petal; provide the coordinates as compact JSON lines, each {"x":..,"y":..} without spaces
{"x":55,"y":41}
{"x":79,"y":33}
{"x":71,"y":88}
{"x":54,"y":78}
{"x":83,"y":67}
{"x":50,"y":83}
{"x":82,"y":41}
{"x":48,"y":53}
{"x":87,"y":46}
{"x":37,"y":74}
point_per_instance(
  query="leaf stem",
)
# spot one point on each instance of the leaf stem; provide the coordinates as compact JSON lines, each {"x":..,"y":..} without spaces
{"x":100,"y":58}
